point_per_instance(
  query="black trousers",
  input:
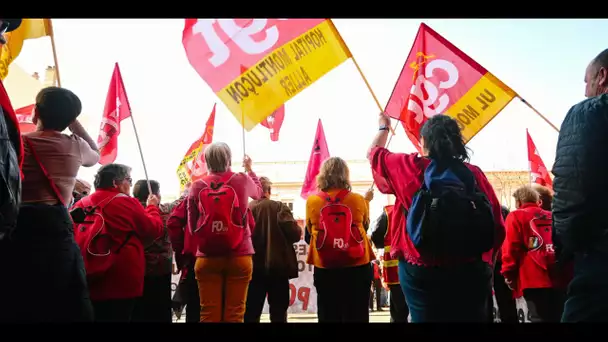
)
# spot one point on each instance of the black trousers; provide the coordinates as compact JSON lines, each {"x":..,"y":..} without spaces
{"x":588,"y":291}
{"x":343,"y":293}
{"x":155,"y":304}
{"x":399,"y":309}
{"x":376,"y":288}
{"x":44,"y":276}
{"x":507,"y":310}
{"x":193,"y":306}
{"x":277,"y":289}
{"x":114,"y":310}
{"x":545,"y":305}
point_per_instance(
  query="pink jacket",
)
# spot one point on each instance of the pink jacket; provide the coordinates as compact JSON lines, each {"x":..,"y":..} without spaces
{"x":246,"y":186}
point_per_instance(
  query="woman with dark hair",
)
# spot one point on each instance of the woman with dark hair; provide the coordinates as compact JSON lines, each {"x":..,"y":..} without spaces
{"x":116,"y":264}
{"x":437,"y":289}
{"x":43,"y":244}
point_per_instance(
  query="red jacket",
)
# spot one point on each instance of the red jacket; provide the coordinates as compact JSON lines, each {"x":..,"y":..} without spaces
{"x":518,"y":263}
{"x":402,"y":175}
{"x":125,"y":279}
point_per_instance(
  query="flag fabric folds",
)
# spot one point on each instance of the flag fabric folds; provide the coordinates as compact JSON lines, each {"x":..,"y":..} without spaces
{"x":438,"y":78}
{"x":274,"y":122}
{"x":25,"y":116}
{"x":116,"y":109}
{"x":538,"y":171}
{"x":193,"y":166}
{"x":318,"y":155}
{"x":29,"y":29}
{"x":282,"y":57}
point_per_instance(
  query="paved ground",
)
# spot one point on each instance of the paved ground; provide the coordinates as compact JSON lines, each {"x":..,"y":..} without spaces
{"x":374,"y":317}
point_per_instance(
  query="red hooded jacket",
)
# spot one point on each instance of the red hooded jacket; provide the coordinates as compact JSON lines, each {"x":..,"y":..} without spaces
{"x":402,"y":175}
{"x":125,"y":279}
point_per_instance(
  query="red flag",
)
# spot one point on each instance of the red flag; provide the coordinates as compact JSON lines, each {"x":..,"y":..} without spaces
{"x":438,"y":78}
{"x":318,"y":155}
{"x":538,"y":171}
{"x":193,"y":166}
{"x":117,"y":108}
{"x":24,"y":117}
{"x":274,"y":122}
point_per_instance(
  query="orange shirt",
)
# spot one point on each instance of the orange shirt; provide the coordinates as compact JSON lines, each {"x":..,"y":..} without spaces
{"x":360,"y":210}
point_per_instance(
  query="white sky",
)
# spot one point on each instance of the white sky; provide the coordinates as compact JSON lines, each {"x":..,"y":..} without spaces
{"x":543,"y":60}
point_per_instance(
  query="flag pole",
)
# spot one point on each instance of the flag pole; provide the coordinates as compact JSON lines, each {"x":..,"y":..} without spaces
{"x":538,"y":113}
{"x":243,"y":126}
{"x":141,"y":153}
{"x":369,"y":87}
{"x":52,"y":35}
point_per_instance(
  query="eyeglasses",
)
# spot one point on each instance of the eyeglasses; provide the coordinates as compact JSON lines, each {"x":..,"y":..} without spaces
{"x":130,"y":180}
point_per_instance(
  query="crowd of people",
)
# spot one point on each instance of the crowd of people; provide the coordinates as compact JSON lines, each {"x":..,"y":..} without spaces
{"x":77,"y":255}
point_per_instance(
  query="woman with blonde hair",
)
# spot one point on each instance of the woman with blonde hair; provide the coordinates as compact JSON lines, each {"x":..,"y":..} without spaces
{"x":219,"y":221}
{"x":337,"y":220}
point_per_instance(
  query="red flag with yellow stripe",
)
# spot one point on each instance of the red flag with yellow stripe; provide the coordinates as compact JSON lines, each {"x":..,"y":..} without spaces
{"x":438,"y":78}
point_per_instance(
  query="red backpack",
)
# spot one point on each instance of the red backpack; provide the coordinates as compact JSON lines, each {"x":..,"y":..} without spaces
{"x":339,"y":241}
{"x":540,"y":242}
{"x":93,"y":238}
{"x":220,"y":227}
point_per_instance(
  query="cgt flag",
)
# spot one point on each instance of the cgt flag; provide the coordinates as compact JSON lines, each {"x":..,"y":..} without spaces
{"x":24,"y":117}
{"x":193,"y":167}
{"x":117,"y":108}
{"x":318,"y":155}
{"x":438,"y":78}
{"x":538,"y":170}
{"x":274,"y":122}
{"x":282,"y":58}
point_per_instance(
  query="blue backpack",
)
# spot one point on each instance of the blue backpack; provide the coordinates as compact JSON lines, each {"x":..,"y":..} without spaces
{"x":449,"y":216}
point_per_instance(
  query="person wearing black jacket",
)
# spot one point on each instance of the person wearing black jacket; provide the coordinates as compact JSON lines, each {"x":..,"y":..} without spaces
{"x":580,"y":223}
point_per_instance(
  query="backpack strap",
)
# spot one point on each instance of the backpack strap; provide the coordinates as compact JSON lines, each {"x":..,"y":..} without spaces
{"x":339,"y":197}
{"x":46,"y":174}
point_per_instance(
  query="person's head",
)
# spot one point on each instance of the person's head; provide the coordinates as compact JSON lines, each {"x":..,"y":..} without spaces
{"x":442,"y":140}
{"x":596,"y":75}
{"x":6,"y":26}
{"x":266,"y":186}
{"x":218,"y":157}
{"x":334,"y":174}
{"x":141,"y":191}
{"x":114,"y":176}
{"x":56,"y":109}
{"x":81,"y":189}
{"x":504,"y":211}
{"x":526,"y":195}
{"x":546,"y":196}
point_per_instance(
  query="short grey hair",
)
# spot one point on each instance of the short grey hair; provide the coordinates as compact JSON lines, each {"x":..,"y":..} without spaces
{"x":108,"y":174}
{"x":218,"y":157}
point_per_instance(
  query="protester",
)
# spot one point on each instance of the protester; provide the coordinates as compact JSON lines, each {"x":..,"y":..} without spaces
{"x":185,"y":257}
{"x":274,"y":261}
{"x":376,"y":289}
{"x":342,"y":275}
{"x":220,"y":221}
{"x":10,"y":178}
{"x":81,"y":189}
{"x":546,"y":196}
{"x":580,"y":222}
{"x":115,"y":269}
{"x":155,"y":304}
{"x":381,"y":238}
{"x":12,"y":157}
{"x":43,"y":242}
{"x":505,"y":298}
{"x":528,"y":257}
{"x":455,"y":289}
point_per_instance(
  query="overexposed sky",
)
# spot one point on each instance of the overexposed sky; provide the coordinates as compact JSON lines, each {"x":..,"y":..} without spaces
{"x":543,"y":60}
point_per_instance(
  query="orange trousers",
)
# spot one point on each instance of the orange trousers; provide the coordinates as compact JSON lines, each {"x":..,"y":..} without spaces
{"x":222,"y":284}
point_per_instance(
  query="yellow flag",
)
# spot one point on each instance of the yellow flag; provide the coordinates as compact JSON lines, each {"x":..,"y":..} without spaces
{"x":29,"y":29}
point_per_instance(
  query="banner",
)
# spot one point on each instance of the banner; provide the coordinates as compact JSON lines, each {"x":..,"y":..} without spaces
{"x":29,"y":29}
{"x":282,"y":58}
{"x":319,"y":154}
{"x":302,"y":292}
{"x":538,"y":171}
{"x":438,"y":78}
